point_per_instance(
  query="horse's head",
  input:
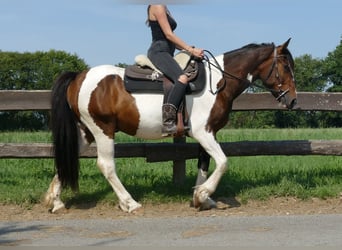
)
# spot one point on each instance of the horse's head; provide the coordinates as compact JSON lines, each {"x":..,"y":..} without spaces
{"x":277,"y":73}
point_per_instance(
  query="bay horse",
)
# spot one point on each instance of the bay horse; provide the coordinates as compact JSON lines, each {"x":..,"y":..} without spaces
{"x":93,"y":105}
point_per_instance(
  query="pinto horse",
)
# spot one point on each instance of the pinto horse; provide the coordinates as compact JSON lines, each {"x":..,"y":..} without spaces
{"x":92,"y":105}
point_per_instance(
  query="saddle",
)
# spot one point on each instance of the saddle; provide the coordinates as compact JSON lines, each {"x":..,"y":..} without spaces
{"x":144,"y":77}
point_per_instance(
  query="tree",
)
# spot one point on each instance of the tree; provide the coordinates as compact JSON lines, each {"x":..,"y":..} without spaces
{"x":27,"y":71}
{"x":332,"y":72}
{"x":35,"y":70}
{"x":308,"y":74}
{"x":332,"y":69}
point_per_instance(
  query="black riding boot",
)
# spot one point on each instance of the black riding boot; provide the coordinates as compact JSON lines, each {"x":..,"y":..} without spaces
{"x":171,"y":107}
{"x":169,"y":119}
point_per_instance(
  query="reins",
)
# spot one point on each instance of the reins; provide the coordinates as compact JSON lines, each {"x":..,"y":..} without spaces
{"x":217,"y":66}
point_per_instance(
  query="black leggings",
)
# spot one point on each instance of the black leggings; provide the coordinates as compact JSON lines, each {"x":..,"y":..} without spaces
{"x":161,"y":55}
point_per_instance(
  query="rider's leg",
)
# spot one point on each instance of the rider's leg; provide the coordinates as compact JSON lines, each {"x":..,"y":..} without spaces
{"x":170,"y":108}
{"x":165,"y":62}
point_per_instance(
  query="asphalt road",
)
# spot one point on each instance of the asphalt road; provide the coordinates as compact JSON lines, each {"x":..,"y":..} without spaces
{"x":254,"y":231}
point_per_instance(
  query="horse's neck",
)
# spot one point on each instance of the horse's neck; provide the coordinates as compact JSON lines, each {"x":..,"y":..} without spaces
{"x":214,"y":72}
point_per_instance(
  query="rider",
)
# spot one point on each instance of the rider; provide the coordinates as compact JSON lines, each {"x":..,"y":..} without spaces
{"x":161,"y":51}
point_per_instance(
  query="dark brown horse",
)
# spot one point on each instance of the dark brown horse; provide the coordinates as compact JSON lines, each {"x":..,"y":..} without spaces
{"x":94,"y":104}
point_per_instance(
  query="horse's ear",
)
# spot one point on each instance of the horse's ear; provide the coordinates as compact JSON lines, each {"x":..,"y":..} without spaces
{"x":284,"y":46}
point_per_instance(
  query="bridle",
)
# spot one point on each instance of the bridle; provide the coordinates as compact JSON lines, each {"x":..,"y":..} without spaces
{"x":249,"y":80}
{"x":274,"y":67}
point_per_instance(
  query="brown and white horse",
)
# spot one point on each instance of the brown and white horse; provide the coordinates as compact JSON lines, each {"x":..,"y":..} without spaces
{"x":92,"y":105}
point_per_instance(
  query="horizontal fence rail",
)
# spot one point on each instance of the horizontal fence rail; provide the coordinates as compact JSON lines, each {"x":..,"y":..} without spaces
{"x":18,"y":100}
{"x":40,"y":100}
{"x":157,"y":152}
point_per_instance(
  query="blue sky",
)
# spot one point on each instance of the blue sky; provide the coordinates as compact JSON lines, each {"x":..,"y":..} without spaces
{"x":114,"y":31}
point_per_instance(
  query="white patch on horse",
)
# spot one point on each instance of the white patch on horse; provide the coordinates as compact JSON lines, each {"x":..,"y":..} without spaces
{"x":150,"y":111}
{"x":250,"y":77}
{"x":219,"y":59}
{"x":200,"y":105}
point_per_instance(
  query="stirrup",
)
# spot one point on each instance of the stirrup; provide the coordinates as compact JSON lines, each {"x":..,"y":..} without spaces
{"x":169,"y":129}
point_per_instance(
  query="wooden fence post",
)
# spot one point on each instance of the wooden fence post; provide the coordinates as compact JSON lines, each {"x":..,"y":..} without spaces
{"x":179,"y":165}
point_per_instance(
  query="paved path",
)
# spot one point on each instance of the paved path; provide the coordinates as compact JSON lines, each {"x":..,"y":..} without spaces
{"x":269,"y":231}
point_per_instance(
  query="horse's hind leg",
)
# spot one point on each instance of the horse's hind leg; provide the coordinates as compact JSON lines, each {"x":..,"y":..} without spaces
{"x":52,"y":197}
{"x":105,"y":162}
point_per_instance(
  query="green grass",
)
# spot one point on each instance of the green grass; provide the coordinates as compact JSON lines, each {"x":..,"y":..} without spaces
{"x":24,"y":181}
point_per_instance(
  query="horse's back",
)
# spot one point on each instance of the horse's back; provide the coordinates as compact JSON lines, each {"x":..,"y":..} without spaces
{"x":104,"y":70}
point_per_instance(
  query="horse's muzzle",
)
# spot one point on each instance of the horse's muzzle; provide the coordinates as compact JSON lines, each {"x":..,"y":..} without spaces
{"x":292,"y":104}
{"x":288,"y":102}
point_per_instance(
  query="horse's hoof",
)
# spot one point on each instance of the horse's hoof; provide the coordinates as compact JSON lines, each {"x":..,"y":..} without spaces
{"x":195,"y":201}
{"x":129,"y":206}
{"x":135,"y":208}
{"x":60,"y":208}
{"x":207,"y":205}
{"x":201,"y":195}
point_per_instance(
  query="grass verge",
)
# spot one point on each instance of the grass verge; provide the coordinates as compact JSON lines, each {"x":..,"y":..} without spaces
{"x":24,"y":181}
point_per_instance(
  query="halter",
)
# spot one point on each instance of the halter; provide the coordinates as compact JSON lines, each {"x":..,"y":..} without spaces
{"x":281,"y":93}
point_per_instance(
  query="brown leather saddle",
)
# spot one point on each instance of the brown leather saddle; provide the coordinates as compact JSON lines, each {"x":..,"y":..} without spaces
{"x":144,"y":77}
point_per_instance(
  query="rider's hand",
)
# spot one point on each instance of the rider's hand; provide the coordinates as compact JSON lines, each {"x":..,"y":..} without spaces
{"x":197,"y":52}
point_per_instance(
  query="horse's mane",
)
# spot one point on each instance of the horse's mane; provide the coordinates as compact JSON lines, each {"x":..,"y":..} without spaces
{"x":247,"y":47}
{"x":236,"y":53}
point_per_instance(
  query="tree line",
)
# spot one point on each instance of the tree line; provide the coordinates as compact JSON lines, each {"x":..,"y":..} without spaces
{"x":38,"y":70}
{"x":312,"y":75}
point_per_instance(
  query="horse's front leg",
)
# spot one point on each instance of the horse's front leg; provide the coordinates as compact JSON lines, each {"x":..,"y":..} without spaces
{"x":205,"y":187}
{"x":202,"y":175}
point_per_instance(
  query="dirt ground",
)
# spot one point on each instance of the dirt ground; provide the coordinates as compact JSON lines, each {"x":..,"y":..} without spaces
{"x":226,"y":207}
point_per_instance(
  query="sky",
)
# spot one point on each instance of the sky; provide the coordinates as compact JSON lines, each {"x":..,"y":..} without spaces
{"x":114,"y":31}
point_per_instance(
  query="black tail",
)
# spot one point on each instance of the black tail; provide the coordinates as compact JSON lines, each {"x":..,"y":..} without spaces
{"x":64,"y":133}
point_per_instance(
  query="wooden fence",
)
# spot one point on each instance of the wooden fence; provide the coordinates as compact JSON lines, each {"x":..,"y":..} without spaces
{"x":180,"y":151}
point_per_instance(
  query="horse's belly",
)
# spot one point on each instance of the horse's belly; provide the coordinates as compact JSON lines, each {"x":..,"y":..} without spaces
{"x":150,"y":115}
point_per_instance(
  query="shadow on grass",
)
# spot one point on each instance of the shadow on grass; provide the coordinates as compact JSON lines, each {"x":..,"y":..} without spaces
{"x":287,"y":181}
